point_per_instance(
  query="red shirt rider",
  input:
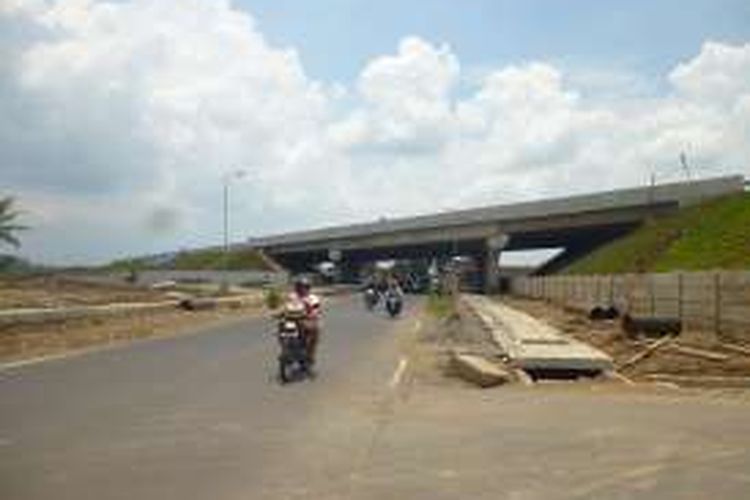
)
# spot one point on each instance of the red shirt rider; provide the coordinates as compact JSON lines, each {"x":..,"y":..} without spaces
{"x":313,"y":311}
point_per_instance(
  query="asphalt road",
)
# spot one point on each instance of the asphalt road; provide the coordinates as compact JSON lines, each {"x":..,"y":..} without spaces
{"x":201,"y":417}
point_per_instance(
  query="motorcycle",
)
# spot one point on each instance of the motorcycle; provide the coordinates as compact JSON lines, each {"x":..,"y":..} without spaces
{"x":371,"y":299}
{"x":294,"y":359}
{"x":394,"y":303}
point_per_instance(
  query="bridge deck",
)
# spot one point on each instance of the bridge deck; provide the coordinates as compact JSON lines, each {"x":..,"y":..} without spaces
{"x":679,"y":193}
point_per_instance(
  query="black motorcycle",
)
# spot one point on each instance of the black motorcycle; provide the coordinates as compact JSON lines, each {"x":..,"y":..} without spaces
{"x":394,"y":303}
{"x":294,"y":359}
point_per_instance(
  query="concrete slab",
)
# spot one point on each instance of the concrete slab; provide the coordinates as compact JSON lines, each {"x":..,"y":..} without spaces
{"x":533,"y":344}
{"x":478,"y":370}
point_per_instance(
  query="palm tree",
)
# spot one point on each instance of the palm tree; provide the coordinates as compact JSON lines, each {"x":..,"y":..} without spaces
{"x":7,"y":226}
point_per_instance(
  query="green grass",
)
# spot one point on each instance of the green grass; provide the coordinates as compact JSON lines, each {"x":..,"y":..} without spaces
{"x":273,"y":298}
{"x":214,"y":259}
{"x":441,"y":306}
{"x":127,"y":265}
{"x":711,"y":235}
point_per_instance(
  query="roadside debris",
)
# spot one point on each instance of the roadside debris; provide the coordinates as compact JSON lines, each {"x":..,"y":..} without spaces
{"x":198,"y":303}
{"x":699,"y":353}
{"x":599,"y":313}
{"x":648,"y":351}
{"x":735,"y":348}
{"x":650,"y":326}
{"x":479,"y":370}
{"x":701,"y":380}
{"x":164,"y":285}
{"x":701,"y":358}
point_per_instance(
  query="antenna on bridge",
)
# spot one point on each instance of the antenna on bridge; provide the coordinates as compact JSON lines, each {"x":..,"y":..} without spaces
{"x":651,"y":191}
{"x":684,"y":163}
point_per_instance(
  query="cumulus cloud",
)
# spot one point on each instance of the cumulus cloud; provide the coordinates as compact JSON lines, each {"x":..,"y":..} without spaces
{"x":119,"y":119}
{"x":405,"y":101}
{"x":151,"y":101}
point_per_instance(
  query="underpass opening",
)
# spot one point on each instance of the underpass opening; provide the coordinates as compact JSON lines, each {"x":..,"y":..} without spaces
{"x":490,"y":270}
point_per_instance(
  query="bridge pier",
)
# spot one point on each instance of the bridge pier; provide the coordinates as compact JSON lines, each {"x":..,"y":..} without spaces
{"x":491,"y":272}
{"x":493,"y":246}
{"x":349,"y":270}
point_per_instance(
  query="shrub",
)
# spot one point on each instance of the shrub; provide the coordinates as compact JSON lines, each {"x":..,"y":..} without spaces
{"x":273,"y":298}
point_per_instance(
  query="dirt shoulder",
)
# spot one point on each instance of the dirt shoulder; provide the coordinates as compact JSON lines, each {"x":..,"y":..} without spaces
{"x":666,"y":362}
{"x":21,"y":342}
{"x":60,"y":291}
{"x":430,"y":346}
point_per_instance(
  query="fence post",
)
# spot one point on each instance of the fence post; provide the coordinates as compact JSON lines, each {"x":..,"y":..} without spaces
{"x":680,"y":286}
{"x":717,"y":302}
{"x":652,"y":292}
{"x":575,"y":284}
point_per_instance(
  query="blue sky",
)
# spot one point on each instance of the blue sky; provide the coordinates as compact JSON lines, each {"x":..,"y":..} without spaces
{"x":336,"y":38}
{"x":342,"y":112}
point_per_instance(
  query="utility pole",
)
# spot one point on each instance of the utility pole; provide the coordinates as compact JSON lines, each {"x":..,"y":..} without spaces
{"x":225,"y":256}
{"x":652,"y":193}
{"x":226,"y":180}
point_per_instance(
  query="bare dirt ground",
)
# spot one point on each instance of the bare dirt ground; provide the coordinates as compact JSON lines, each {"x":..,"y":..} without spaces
{"x":429,"y":347}
{"x":608,"y":336}
{"x":19,"y":342}
{"x":59,"y":291}
{"x":24,"y":341}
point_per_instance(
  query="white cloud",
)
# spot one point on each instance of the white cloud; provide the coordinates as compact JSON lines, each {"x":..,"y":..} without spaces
{"x":121,"y":114}
{"x":150,"y":101}
{"x":406,"y":101}
{"x":718,"y":75}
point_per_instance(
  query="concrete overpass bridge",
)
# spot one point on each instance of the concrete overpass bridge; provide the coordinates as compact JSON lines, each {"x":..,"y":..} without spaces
{"x":577,"y":223}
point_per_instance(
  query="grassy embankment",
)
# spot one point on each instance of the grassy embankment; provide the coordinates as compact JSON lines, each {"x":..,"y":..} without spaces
{"x":710,"y":235}
{"x":211,"y":259}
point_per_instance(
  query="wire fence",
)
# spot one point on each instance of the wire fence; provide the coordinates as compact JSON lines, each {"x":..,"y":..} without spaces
{"x":718,"y":301}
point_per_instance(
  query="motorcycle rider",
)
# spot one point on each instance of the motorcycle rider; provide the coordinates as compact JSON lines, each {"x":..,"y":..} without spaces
{"x":302,"y":297}
{"x":394,"y":287}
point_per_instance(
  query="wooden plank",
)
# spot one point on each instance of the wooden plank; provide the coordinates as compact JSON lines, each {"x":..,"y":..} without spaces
{"x":645,"y":353}
{"x":700,"y":380}
{"x":736,"y":348}
{"x":698,"y":353}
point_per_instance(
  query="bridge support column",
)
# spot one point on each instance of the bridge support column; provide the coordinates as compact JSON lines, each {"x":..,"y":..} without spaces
{"x":349,"y":270}
{"x":491,"y":272}
{"x":493,"y":247}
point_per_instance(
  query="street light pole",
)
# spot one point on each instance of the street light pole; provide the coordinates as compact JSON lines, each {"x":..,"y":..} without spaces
{"x":225,"y":263}
{"x":227,"y":178}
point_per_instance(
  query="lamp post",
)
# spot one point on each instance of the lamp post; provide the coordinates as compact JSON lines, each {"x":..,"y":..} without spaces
{"x":226,"y":181}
